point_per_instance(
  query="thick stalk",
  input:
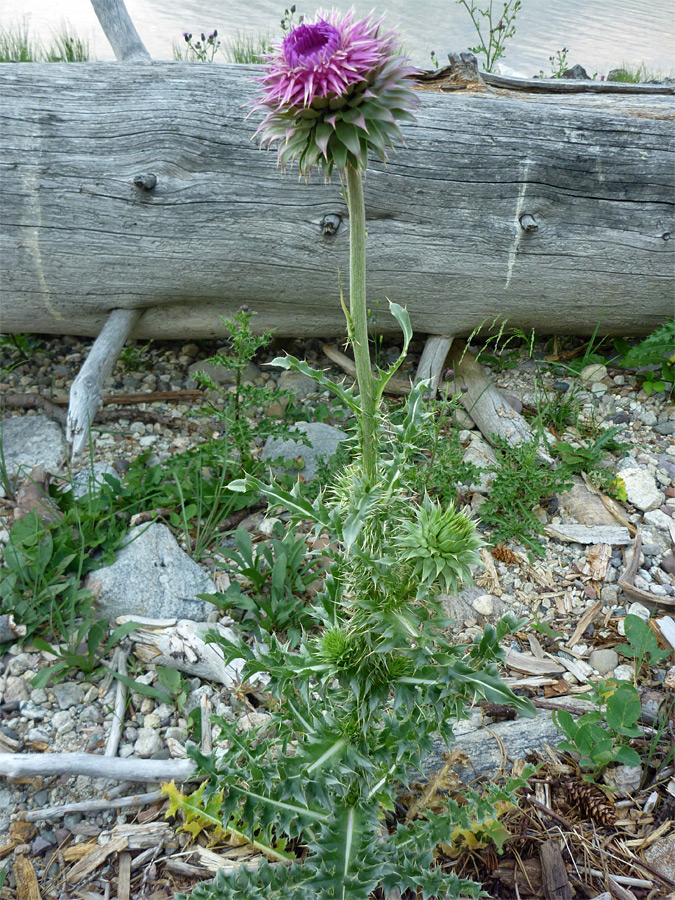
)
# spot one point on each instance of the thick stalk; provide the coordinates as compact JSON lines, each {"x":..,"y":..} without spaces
{"x":359,"y":317}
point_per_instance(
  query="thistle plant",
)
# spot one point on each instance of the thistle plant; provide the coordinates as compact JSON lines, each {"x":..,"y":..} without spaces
{"x":335,"y":89}
{"x":375,"y":679}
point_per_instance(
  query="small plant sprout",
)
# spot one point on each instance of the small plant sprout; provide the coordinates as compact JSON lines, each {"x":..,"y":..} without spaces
{"x":493,"y":28}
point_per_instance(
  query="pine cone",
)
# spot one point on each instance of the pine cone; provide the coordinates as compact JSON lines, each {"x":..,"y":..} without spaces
{"x":503,"y":554}
{"x":591,"y":800}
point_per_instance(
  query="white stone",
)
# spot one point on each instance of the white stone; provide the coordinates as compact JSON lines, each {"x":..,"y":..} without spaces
{"x":147,"y":742}
{"x":483,"y":605}
{"x":592,"y":373}
{"x":624,"y":779}
{"x":658,"y":519}
{"x":624,"y":673}
{"x":637,"y":609}
{"x":641,"y":489}
{"x":669,"y":681}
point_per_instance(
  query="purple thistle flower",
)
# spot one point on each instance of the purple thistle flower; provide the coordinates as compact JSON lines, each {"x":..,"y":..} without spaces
{"x":334,"y":89}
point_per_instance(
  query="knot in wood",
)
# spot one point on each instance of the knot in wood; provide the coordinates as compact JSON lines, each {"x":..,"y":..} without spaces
{"x":330,"y":224}
{"x":147,"y":181}
{"x":528,"y":222}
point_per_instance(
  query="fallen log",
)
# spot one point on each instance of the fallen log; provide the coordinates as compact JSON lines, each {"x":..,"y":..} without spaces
{"x":553,"y":210}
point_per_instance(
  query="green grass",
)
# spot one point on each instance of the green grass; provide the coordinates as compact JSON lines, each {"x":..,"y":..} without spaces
{"x":17,"y":45}
{"x":638,"y":74}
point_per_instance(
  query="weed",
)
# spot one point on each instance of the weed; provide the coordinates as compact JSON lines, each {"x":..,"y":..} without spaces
{"x":17,"y":45}
{"x":636,"y":74}
{"x":590,"y":458}
{"x":176,"y":686}
{"x":67,"y":47}
{"x":655,"y":350}
{"x":597,"y":746}
{"x":521,"y":483}
{"x":203,"y":50}
{"x":559,"y":64}
{"x":279,"y":573}
{"x":86,"y":647}
{"x":642,"y":645}
{"x":134,"y":357}
{"x":501,"y":26}
{"x":233,"y":407}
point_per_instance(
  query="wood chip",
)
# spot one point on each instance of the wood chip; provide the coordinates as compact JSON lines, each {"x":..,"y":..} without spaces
{"x":614,"y":535}
{"x":598,"y":558}
{"x":95,"y":858}
{"x":523,"y":662}
{"x":587,"y":619}
{"x":554,"y":873}
{"x":124,"y":877}
{"x":27,"y":887}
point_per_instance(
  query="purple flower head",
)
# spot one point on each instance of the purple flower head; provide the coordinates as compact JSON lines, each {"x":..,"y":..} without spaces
{"x":334,"y":89}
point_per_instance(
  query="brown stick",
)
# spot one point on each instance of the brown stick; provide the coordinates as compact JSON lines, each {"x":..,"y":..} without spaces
{"x":553,"y":873}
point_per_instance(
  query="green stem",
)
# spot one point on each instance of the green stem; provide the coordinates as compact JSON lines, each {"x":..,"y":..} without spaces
{"x":359,"y":318}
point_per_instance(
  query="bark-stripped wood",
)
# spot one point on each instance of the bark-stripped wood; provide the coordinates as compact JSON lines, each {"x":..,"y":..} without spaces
{"x":86,"y":391}
{"x":553,"y":211}
{"x":120,"y":31}
{"x":432,"y":361}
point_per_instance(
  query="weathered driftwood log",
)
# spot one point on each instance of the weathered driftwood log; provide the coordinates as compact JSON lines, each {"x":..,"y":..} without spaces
{"x":86,"y":391}
{"x":553,"y":211}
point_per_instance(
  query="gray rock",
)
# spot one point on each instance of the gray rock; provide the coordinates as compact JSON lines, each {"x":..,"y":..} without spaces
{"x":147,"y":743}
{"x":68,"y":694}
{"x":668,"y":563}
{"x":577,"y":72}
{"x":481,"y":454}
{"x":21,"y":663}
{"x":624,"y":673}
{"x":604,"y":661}
{"x":469,"y":603}
{"x":301,"y":385}
{"x":658,"y":519}
{"x":221,"y":375}
{"x":641,"y":489}
{"x":28,"y":709}
{"x":661,"y":855}
{"x":29,"y":441}
{"x":6,"y":799}
{"x":16,"y":689}
{"x":654,"y":541}
{"x":151,"y":576}
{"x":596,"y":372}
{"x":90,"y":480}
{"x":323,"y":443}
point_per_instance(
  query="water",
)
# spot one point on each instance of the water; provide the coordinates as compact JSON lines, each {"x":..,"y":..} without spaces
{"x":600,"y":34}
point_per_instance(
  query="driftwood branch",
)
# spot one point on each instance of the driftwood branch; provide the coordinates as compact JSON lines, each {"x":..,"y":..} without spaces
{"x":120,"y":31}
{"x":28,"y":765}
{"x":651,"y":601}
{"x":118,"y":712}
{"x":432,"y":361}
{"x":86,"y":392}
{"x":180,"y":644}
{"x":486,"y":406}
{"x":91,"y":806}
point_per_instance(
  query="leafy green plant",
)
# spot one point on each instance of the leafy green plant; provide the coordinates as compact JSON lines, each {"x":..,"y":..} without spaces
{"x":494,"y":27}
{"x":134,"y":356}
{"x":86,"y":648}
{"x":597,"y":746}
{"x":42,"y":582}
{"x":654,"y":350}
{"x":642,"y":644}
{"x":279,"y":572}
{"x":521,"y":483}
{"x":200,"y":50}
{"x":559,"y":64}
{"x":175,"y":685}
{"x":232,"y":407}
{"x":589,"y":459}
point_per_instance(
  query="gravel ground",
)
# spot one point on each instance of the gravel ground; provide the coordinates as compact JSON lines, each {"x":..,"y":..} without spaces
{"x":77,"y":714}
